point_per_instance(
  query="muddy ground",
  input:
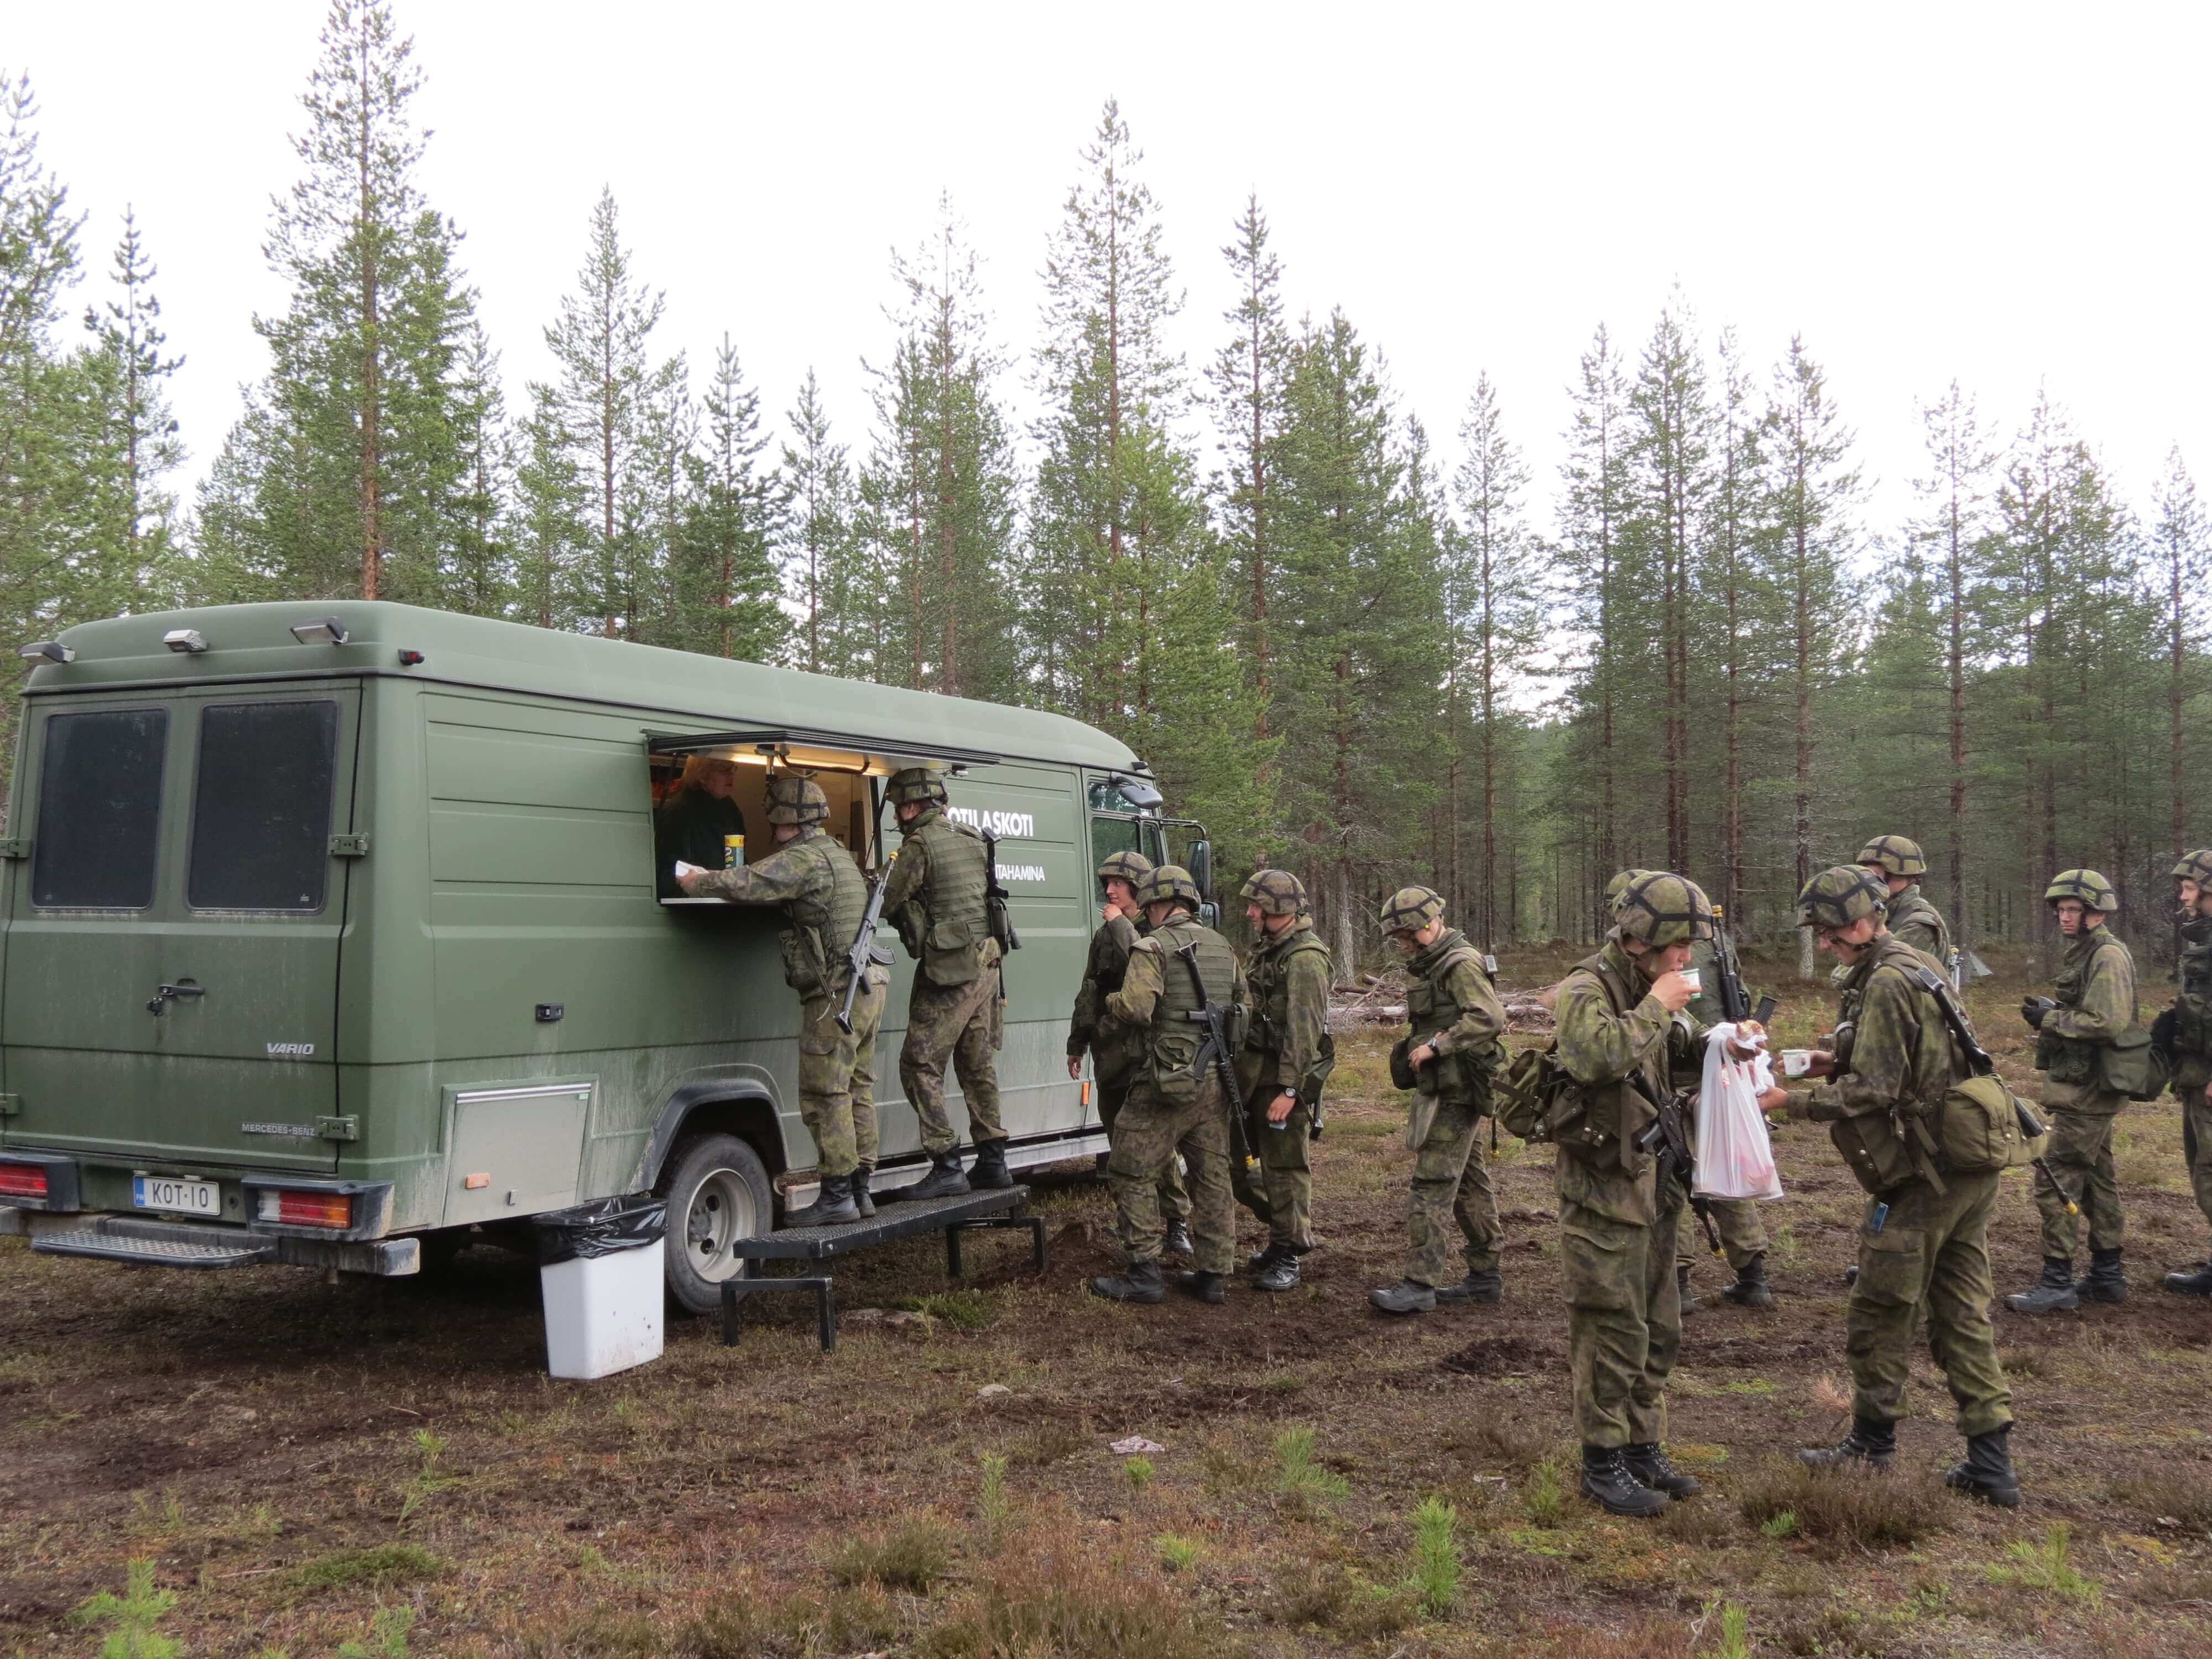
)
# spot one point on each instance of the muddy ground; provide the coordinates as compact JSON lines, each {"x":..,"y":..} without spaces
{"x":382,"y":1468}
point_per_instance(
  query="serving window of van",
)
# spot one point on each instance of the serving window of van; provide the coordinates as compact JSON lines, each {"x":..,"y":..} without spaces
{"x":710,"y":795}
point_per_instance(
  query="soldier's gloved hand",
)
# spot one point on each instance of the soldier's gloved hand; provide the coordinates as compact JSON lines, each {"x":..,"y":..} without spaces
{"x":2033,"y":1009}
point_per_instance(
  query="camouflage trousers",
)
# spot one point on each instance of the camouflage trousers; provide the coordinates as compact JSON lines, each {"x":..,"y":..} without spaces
{"x":1148,"y":1134}
{"x":1280,"y":1192}
{"x":1743,"y":1235}
{"x":960,"y":1024}
{"x":838,"y":1076}
{"x":1174,"y":1202}
{"x":1623,"y":1320}
{"x":2196,"y":1143}
{"x":1451,"y":1196}
{"x":2080,"y":1156}
{"x":1931,"y":1256}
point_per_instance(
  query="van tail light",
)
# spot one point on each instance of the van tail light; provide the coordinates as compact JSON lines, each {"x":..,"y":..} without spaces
{"x":295,"y":1208}
{"x":23,"y":1181}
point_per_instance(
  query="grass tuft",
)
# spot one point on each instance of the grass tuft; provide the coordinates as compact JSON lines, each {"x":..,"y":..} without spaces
{"x":2045,"y":1566}
{"x":1332,"y":1596}
{"x":1138,"y":1471}
{"x":914,"y":1555}
{"x":1544,"y":1500}
{"x":1436,"y":1557}
{"x":963,"y":1310}
{"x":1177,"y":1555}
{"x":380,"y":1564}
{"x":993,"y":1508}
{"x":1071,"y":1606}
{"x":134,"y":1614}
{"x":1846,"y":1508}
{"x":387,"y":1636}
{"x":1297,"y":1473}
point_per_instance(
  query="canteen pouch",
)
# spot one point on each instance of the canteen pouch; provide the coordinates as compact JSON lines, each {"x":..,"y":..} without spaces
{"x":953,"y":956}
{"x":803,"y":969}
{"x":2132,"y":1065}
{"x":1977,"y":1128}
{"x":1175,"y":1062}
{"x":1872,"y":1149}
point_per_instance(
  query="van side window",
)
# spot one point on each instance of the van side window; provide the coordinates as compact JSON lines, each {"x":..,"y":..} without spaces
{"x":100,"y":805}
{"x":261,"y":806}
{"x":1110,"y":836}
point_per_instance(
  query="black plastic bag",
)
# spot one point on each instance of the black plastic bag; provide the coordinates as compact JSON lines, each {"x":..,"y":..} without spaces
{"x":602,"y":1227}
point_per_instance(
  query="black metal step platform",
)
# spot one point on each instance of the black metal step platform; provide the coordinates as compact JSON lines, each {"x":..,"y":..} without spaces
{"x":893,"y":1219}
{"x":157,"y":1244}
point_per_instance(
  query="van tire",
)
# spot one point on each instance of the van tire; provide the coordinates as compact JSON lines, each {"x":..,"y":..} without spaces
{"x":718,"y":1190}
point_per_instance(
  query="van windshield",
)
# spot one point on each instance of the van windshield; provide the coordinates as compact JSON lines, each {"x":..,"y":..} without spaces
{"x":100,"y":807}
{"x":261,"y":806}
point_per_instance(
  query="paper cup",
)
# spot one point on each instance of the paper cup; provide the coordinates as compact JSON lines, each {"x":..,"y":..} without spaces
{"x":1693,"y":978}
{"x":1796,"y":1062}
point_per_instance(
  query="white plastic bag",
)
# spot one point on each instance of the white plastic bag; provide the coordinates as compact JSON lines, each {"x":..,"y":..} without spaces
{"x":1735,"y":1157}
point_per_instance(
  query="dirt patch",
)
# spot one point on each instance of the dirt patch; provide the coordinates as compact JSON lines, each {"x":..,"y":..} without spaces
{"x":1502,"y":1356}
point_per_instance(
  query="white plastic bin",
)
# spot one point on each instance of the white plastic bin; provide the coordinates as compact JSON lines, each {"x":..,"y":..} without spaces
{"x":603,"y":1304}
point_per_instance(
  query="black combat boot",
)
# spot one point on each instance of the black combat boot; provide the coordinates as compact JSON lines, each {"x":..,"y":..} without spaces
{"x":1987,"y":1473}
{"x":1260,"y":1260}
{"x":1207,"y":1287}
{"x":990,"y":1173}
{"x":2198,"y":1281}
{"x":1650,"y":1465}
{"x":1175,"y":1241}
{"x":1869,"y":1445}
{"x":1137,"y":1282}
{"x":1610,"y":1482}
{"x":944,"y":1180}
{"x":1750,"y":1289}
{"x":1488,"y":1286}
{"x":1407,"y":1296}
{"x":863,"y":1199}
{"x":1682,"y":1289}
{"x":832,"y":1205}
{"x":1280,"y":1274}
{"x":2052,"y":1293}
{"x":2107,"y":1280}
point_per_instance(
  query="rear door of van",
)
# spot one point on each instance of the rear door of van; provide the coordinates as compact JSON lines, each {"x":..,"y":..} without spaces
{"x":173,"y":932}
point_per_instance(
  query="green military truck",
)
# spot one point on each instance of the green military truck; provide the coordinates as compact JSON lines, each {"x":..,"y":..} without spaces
{"x":330,"y":933}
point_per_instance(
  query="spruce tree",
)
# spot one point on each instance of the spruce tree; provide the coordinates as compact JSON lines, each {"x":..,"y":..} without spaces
{"x":2178,"y":533}
{"x":723,"y":568}
{"x":141,"y":434}
{"x":830,"y":579}
{"x":480,"y":574}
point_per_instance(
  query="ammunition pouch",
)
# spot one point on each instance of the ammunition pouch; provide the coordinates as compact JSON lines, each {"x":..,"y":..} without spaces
{"x":2134,"y":1066}
{"x":2066,"y":1059}
{"x":952,"y":954}
{"x":805,"y":965}
{"x":1175,"y":1061}
{"x":1874,"y":1150}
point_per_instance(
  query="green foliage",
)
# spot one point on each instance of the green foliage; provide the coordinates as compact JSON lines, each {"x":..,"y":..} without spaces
{"x":134,"y":1616}
{"x":2045,"y":1566}
{"x":1437,"y":1563}
{"x":1735,"y":1633}
{"x":1544,"y":1499}
{"x":994,"y":1507}
{"x":1177,"y":1553}
{"x":1297,"y":1473}
{"x":377,"y":1566}
{"x":426,"y":1481}
{"x":1783,"y":1523}
{"x":387,"y":1636}
{"x":1138,"y":1471}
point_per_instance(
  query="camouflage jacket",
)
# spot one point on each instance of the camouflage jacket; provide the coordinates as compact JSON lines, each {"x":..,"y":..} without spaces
{"x":1287,"y":1041}
{"x":1452,"y":1001}
{"x":820,"y":889}
{"x":2096,"y":991}
{"x":934,"y":897}
{"x":1610,"y":1028}
{"x":2192,"y":1007}
{"x":1921,"y":925}
{"x":1090,"y":1028}
{"x":1893,"y":1061}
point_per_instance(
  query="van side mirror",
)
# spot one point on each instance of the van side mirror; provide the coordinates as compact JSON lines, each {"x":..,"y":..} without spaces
{"x":1201,"y":869}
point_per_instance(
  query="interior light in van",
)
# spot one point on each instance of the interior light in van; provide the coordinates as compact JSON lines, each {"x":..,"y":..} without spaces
{"x":46,"y":651}
{"x":186,"y":639}
{"x":323,"y":630}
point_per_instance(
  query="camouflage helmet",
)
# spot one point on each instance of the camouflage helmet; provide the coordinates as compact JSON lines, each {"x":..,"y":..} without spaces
{"x":1277,"y":892}
{"x":1894,"y":854}
{"x":2086,"y":885}
{"x":1169,"y":881}
{"x":915,"y":783}
{"x":1619,"y":885}
{"x":794,"y":799}
{"x":1662,"y":909}
{"x":1839,"y":897}
{"x":1131,"y":867}
{"x":1412,"y":908}
{"x":2196,"y":866}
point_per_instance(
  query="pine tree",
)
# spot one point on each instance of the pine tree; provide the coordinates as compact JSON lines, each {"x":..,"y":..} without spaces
{"x":550,"y":508}
{"x":724,"y":573}
{"x":480,"y":573}
{"x":1729,"y":573}
{"x":2178,"y":536}
{"x":831,"y":580}
{"x":141,"y":434}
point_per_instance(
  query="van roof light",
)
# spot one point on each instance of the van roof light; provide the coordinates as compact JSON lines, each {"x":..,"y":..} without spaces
{"x":322,"y":630}
{"x":186,"y":639}
{"x":46,"y":651}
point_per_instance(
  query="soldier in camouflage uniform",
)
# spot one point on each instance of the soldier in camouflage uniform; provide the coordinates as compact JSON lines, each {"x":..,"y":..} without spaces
{"x":1622,"y":1036}
{"x":824,"y":897}
{"x":1115,"y":1052}
{"x":1924,"y":1246}
{"x":1176,"y":1101}
{"x":1899,"y":864}
{"x":935,"y":896}
{"x":1457,"y":1021}
{"x":1742,"y":1232}
{"x":2095,"y":1006}
{"x":1288,"y":1055}
{"x":2192,"y":1044}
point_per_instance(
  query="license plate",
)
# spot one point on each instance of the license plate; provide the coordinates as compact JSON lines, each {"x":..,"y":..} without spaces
{"x":177,"y":1197}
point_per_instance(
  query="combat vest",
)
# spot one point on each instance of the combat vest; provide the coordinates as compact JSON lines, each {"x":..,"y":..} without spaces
{"x":1431,"y":1007}
{"x":825,"y":919}
{"x":2192,"y":1007}
{"x":1267,"y":983}
{"x":1598,"y":1124}
{"x":2121,"y":1066}
{"x":1911,"y":910}
{"x":1173,"y":1041}
{"x":1114,"y":1049}
{"x":945,"y":923}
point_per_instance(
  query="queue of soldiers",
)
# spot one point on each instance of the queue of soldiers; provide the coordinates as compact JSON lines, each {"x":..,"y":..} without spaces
{"x":1209,"y":1071}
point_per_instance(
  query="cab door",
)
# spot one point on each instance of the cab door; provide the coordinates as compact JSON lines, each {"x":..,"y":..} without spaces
{"x":183,"y":903}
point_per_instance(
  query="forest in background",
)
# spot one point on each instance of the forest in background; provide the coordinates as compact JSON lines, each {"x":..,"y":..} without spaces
{"x":1348,"y":647}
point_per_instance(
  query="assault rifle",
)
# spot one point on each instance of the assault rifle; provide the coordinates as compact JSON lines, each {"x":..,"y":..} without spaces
{"x":1735,"y":1000}
{"x":1217,"y":1045}
{"x":1668,"y":1139}
{"x":995,"y":901}
{"x":864,"y":945}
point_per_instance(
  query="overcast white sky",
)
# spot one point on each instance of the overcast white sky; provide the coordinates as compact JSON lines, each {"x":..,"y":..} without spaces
{"x":2007,"y":194}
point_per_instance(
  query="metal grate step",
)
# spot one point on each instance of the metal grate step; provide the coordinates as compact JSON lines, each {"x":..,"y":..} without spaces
{"x":155,"y":1252}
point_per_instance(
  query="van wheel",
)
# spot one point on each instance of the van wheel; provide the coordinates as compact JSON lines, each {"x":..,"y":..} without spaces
{"x":718,"y":1192}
